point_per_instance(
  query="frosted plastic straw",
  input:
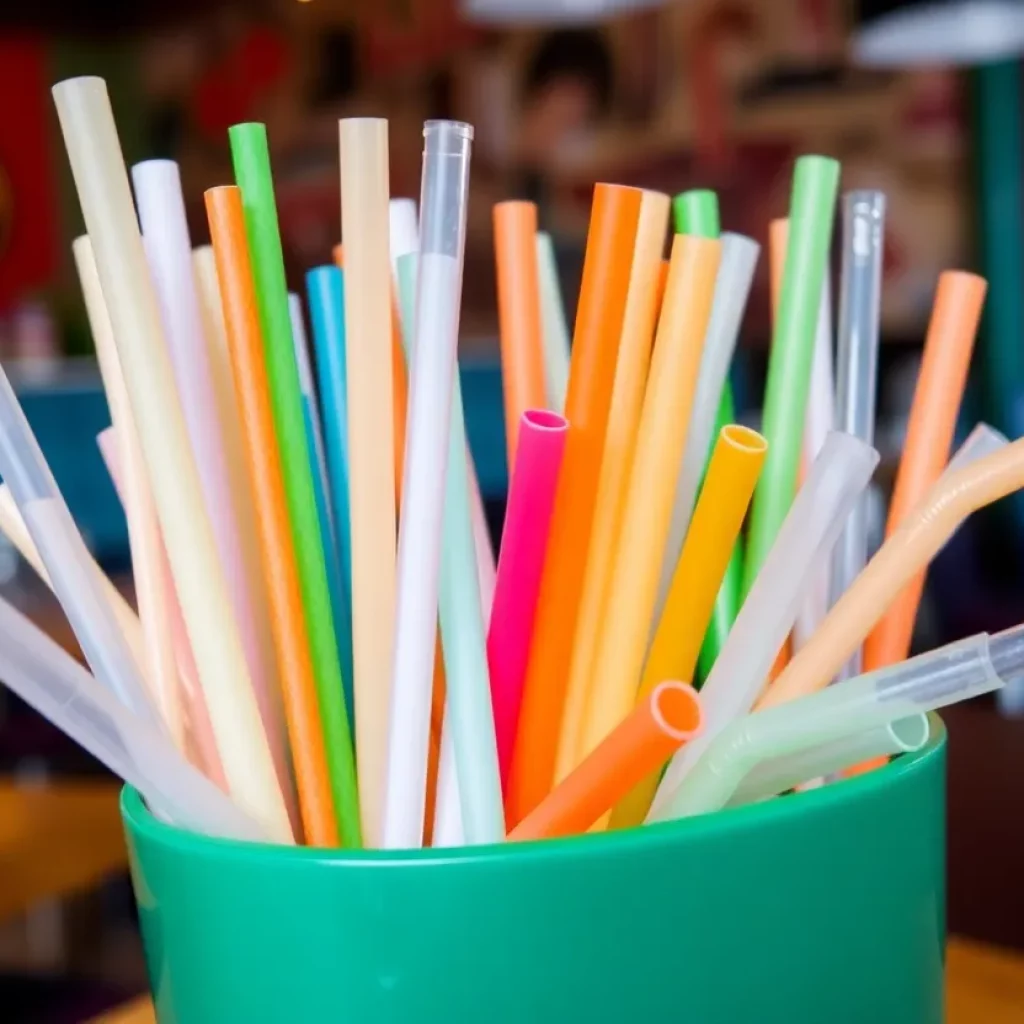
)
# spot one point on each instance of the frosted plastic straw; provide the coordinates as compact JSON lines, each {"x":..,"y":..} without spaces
{"x":524,"y":542}
{"x":448,"y":832}
{"x":486,"y":564}
{"x":102,"y":182}
{"x":779,"y":774}
{"x":554,"y":325}
{"x":732,"y":288}
{"x":860,"y":299}
{"x":931,"y":681}
{"x":835,"y":481}
{"x":364,"y":221}
{"x":45,"y":676}
{"x":446,"y":159}
{"x":403,"y":230}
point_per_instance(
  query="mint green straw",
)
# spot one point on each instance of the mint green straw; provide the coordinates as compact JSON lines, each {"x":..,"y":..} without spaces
{"x":696,"y":213}
{"x":812,"y":208}
{"x":252,"y":171}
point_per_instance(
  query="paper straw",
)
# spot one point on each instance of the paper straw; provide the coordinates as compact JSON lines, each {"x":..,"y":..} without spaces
{"x":403,"y":230}
{"x":606,"y":273}
{"x":520,"y":331}
{"x":102,"y":183}
{"x":668,"y":717}
{"x":728,"y":487}
{"x":445,"y":185}
{"x":524,"y":542}
{"x":857,"y":368}
{"x":815,"y":181}
{"x":940,"y":385}
{"x":364,"y":218}
{"x":661,"y":438}
{"x":695,"y":212}
{"x":325,"y":817}
{"x":554,"y":328}
{"x":631,"y":370}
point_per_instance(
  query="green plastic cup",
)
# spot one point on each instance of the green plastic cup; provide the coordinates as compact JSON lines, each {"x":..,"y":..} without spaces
{"x":824,"y":906}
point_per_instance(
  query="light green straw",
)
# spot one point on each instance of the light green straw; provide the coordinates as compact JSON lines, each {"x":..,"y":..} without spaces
{"x":812,"y":207}
{"x":555,"y":328}
{"x":696,"y":213}
{"x":252,"y":171}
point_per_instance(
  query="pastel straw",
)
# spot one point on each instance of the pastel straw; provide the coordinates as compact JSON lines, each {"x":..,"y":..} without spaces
{"x":668,"y":717}
{"x":324,"y":823}
{"x":524,"y":543}
{"x":486,"y":564}
{"x":714,"y":530}
{"x":646,"y":520}
{"x":554,"y":327}
{"x":370,"y":369}
{"x":403,"y":231}
{"x":933,"y":413}
{"x":603,"y":293}
{"x":90,"y":136}
{"x":695,"y":212}
{"x":815,"y":181}
{"x":631,"y":370}
{"x":519,"y":315}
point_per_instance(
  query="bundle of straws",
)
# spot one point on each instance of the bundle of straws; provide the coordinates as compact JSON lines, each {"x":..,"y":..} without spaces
{"x":309,"y":544}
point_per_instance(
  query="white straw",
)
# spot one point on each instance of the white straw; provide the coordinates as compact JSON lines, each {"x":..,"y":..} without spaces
{"x":404,"y":230}
{"x":554,"y":324}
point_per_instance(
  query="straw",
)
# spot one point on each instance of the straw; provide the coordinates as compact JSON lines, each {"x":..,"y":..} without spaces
{"x":835,"y":481}
{"x":668,"y":717}
{"x":933,"y":414}
{"x":857,"y":368}
{"x":370,"y":375}
{"x":554,"y":328}
{"x":486,"y":564}
{"x":524,"y":542}
{"x":91,"y":139}
{"x":922,"y":534}
{"x":640,"y":545}
{"x":695,"y":212}
{"x":520,"y":331}
{"x":728,"y":487}
{"x":403,"y":231}
{"x":815,"y":181}
{"x":606,"y":273}
{"x":445,"y":185}
{"x":328,"y":806}
{"x":631,"y":370}
{"x":448,"y":832}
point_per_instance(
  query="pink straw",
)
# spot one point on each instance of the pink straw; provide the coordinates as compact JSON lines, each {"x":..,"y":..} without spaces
{"x":524,"y":544}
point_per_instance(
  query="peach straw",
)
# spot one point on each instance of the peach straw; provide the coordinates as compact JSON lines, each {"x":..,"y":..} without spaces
{"x":633,"y":362}
{"x":519,"y":315}
{"x":602,"y":303}
{"x":263,"y":460}
{"x":640,"y":546}
{"x":645,"y":740}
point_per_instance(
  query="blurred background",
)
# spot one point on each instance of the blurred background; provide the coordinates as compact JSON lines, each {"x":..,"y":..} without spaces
{"x":671,"y":95}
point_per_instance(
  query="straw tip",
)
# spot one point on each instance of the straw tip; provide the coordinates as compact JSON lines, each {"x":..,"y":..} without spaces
{"x":80,"y":83}
{"x":460,"y":129}
{"x":676,"y":708}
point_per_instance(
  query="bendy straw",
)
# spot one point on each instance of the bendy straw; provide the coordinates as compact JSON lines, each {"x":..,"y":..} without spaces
{"x":935,"y":680}
{"x":370,"y":369}
{"x":933,"y":413}
{"x":606,"y":272}
{"x":640,"y":545}
{"x":323,"y":820}
{"x":632,"y":365}
{"x":446,"y":161}
{"x":519,"y":314}
{"x":835,"y":481}
{"x":815,"y":181}
{"x":666,"y":719}
{"x":555,"y":329}
{"x":90,"y":136}
{"x":716,"y":524}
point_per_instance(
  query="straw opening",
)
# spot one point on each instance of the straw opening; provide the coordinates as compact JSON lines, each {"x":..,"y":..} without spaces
{"x":744,"y":438}
{"x":910,"y":734}
{"x":676,"y":709}
{"x":541,"y":419}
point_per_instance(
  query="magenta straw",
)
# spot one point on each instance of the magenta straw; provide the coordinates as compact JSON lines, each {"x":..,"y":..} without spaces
{"x":524,"y":544}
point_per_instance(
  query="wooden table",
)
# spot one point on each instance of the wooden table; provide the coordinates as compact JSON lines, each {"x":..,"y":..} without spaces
{"x":984,"y":985}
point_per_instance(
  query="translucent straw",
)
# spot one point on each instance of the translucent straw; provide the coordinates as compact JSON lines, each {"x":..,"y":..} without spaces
{"x":45,"y":676}
{"x":446,"y":161}
{"x":835,"y":481}
{"x":555,"y":326}
{"x":931,"y":681}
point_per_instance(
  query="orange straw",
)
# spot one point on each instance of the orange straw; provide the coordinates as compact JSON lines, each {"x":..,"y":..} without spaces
{"x":602,"y":304}
{"x":288,"y":622}
{"x":638,"y":747}
{"x":522,"y":351}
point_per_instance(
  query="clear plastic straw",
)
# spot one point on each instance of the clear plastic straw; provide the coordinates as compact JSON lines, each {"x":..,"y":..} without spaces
{"x":835,"y":481}
{"x":45,"y":676}
{"x":931,"y":681}
{"x":554,"y":324}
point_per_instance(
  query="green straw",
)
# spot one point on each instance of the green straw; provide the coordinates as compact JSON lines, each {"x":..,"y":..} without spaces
{"x":252,"y":170}
{"x":812,"y":208}
{"x":696,"y":213}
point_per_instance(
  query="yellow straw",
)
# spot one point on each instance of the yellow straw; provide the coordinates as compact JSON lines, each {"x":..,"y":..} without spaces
{"x":623,"y":419}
